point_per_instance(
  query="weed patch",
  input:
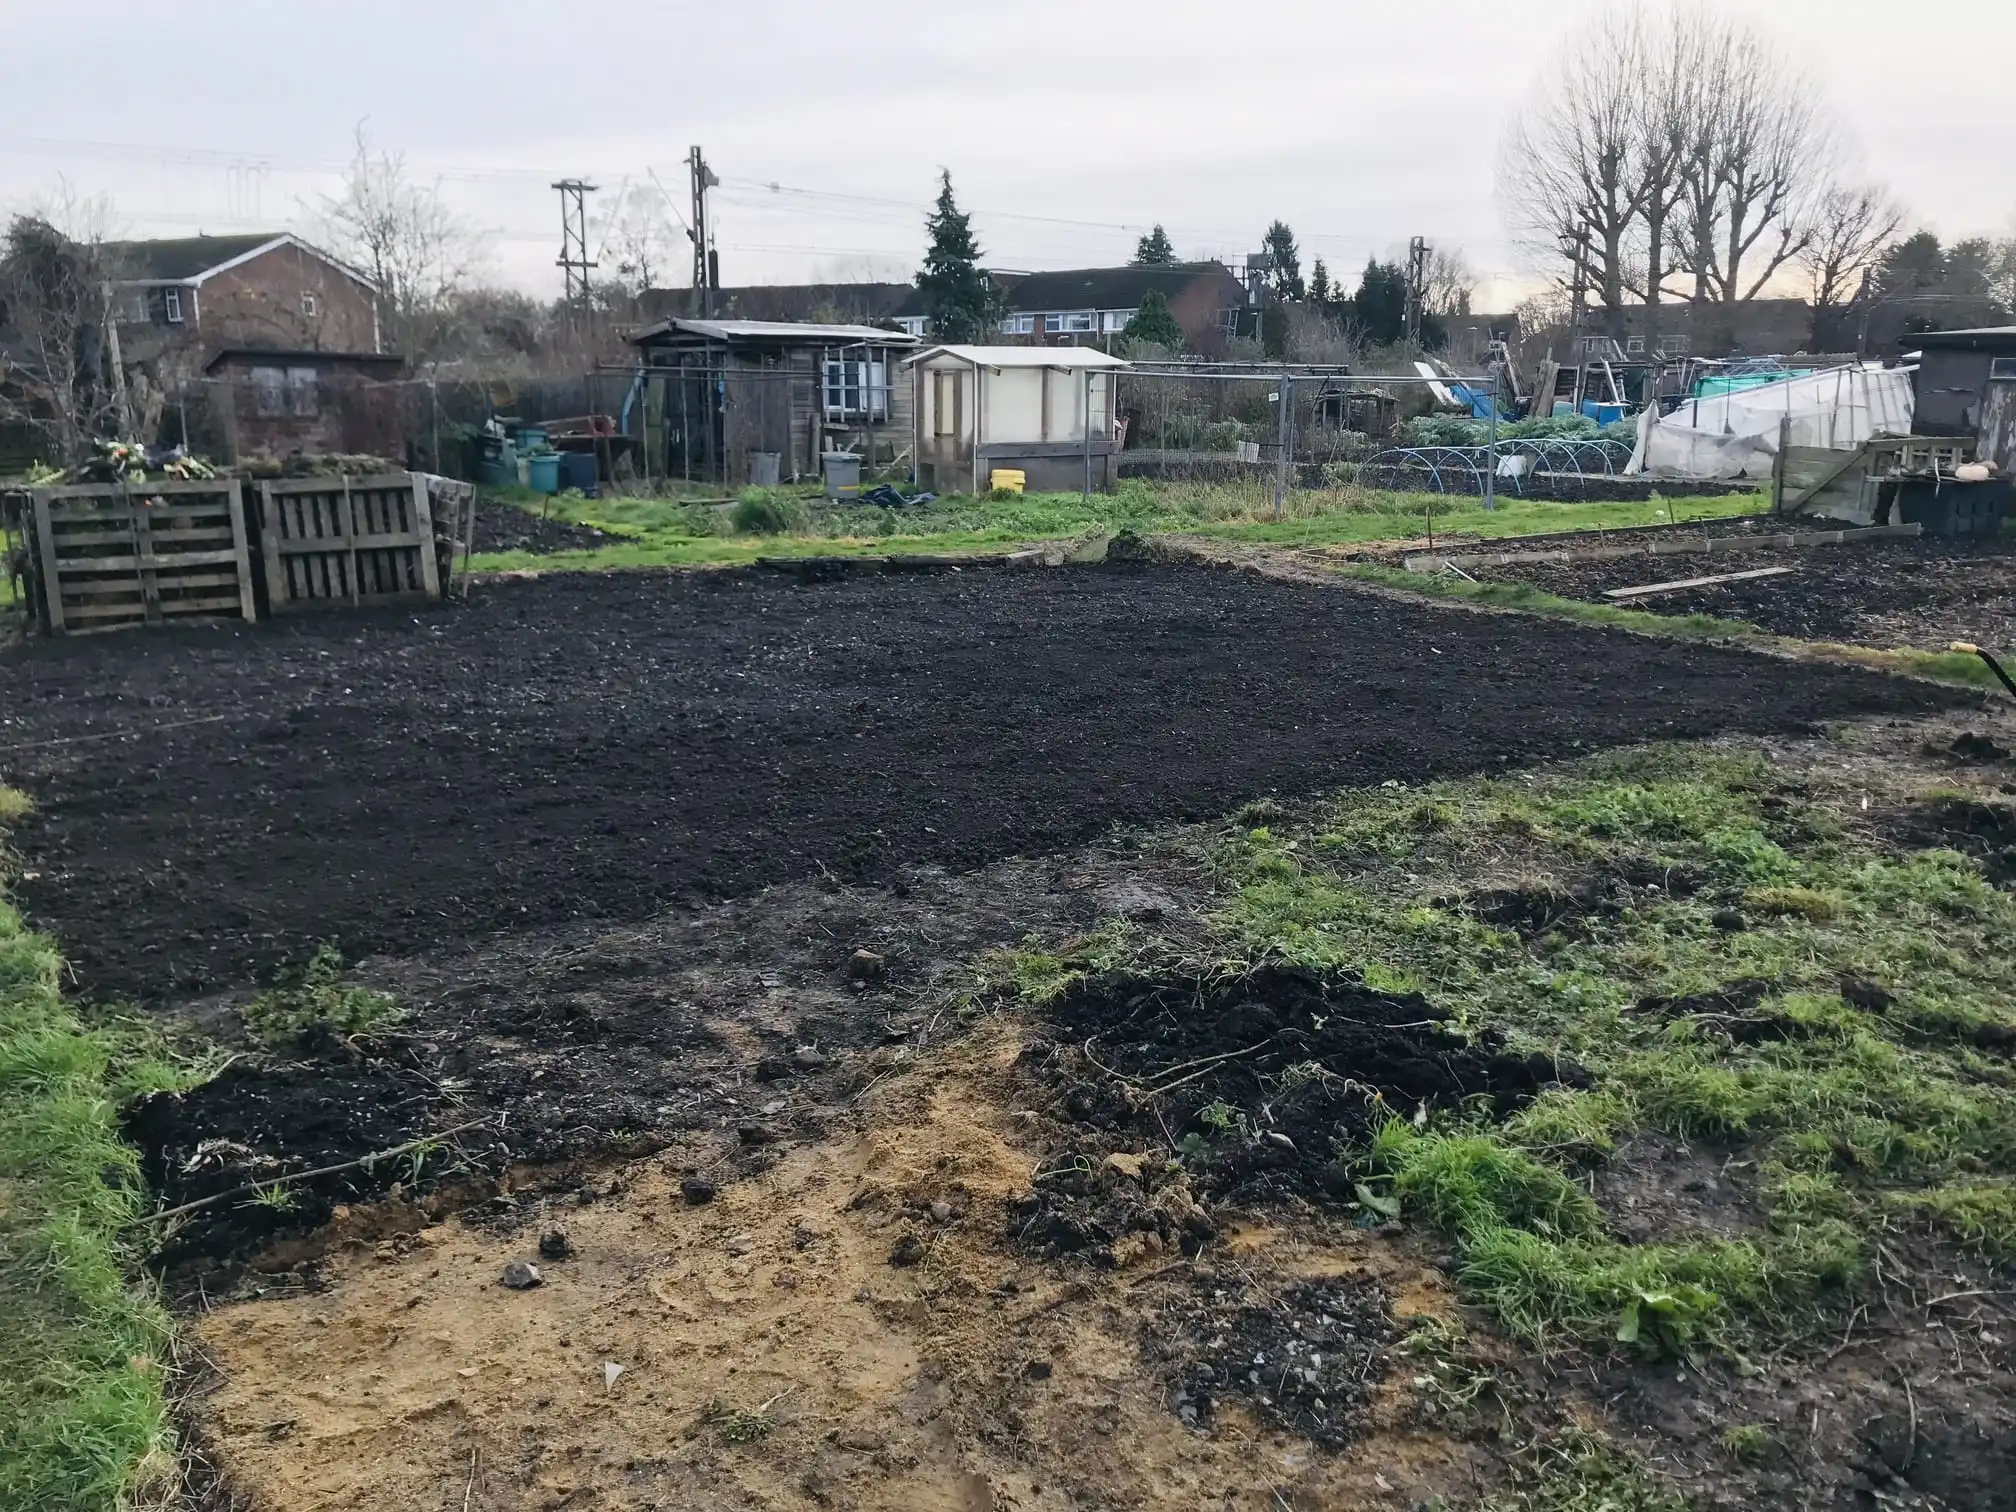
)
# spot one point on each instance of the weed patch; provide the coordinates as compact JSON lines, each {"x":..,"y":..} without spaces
{"x":316,"y":1002}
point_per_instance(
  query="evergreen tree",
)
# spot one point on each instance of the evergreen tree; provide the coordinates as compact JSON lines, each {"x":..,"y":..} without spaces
{"x":1152,"y":323}
{"x":1155,"y":249}
{"x":960,"y":297}
{"x":1319,"y":285}
{"x":1284,"y":275}
{"x":1380,"y":305}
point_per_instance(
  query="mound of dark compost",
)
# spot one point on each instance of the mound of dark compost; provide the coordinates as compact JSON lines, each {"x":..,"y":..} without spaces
{"x":259,"y":1120}
{"x":1256,"y":1081}
{"x":506,"y":527}
{"x":1307,"y":1360}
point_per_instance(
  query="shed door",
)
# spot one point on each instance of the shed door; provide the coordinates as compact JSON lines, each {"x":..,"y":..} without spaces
{"x":944,"y":404}
{"x":1998,"y":415}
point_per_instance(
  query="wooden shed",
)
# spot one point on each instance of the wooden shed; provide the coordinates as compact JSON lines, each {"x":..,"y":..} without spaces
{"x":1046,"y":411}
{"x":1965,"y":385}
{"x":721,"y":392}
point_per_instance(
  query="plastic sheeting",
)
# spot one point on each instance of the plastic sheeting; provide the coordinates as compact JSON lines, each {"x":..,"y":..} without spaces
{"x":1736,"y":435}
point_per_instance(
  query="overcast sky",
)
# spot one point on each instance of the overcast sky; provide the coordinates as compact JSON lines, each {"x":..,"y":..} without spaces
{"x":1068,"y":127}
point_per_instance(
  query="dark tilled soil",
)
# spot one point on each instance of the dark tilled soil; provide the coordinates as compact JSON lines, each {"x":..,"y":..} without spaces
{"x":601,"y":747}
{"x":506,"y":527}
{"x":1924,"y":593}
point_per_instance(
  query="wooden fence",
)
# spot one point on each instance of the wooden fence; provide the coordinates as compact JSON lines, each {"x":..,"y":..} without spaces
{"x":112,"y":555}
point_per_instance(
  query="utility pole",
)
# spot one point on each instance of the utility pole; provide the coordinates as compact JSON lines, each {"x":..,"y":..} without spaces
{"x":574,"y":262}
{"x":706,"y":261}
{"x":1417,"y":287}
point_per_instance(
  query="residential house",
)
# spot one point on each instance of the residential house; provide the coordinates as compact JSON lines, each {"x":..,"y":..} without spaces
{"x":1091,"y":306}
{"x":1046,"y":412}
{"x":727,"y":400}
{"x":264,"y":289}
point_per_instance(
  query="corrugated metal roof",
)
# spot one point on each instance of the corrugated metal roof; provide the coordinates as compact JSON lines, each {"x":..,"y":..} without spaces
{"x":785,"y":332}
{"x":1936,"y":338}
{"x":1026,"y":356}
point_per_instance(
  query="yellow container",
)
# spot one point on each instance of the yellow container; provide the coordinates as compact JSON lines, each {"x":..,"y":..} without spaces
{"x":1012,"y":479}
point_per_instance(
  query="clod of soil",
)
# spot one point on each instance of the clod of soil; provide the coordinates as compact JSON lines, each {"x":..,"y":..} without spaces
{"x":506,"y":527}
{"x":1256,"y":1079}
{"x":1985,"y":831}
{"x":604,"y":747}
{"x":1307,"y":1360}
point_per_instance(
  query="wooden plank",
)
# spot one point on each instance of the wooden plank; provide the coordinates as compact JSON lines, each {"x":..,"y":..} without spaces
{"x":173,"y":536}
{"x":133,"y":562}
{"x":269,"y":549}
{"x":132,"y":612}
{"x":390,"y":481}
{"x":423,"y":525}
{"x":52,"y":583}
{"x":143,"y":547}
{"x":1648,"y":589}
{"x":404,"y":541}
{"x":168,"y":487}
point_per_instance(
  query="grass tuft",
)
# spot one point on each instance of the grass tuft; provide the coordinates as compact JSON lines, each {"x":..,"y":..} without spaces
{"x":318,"y":1001}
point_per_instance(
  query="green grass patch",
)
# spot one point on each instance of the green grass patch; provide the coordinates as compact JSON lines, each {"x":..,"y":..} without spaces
{"x":1578,"y":1471}
{"x":314,"y":1001}
{"x":675,"y":531}
{"x":1529,"y":600}
{"x":1826,"y":1043}
{"x":84,"y":1343}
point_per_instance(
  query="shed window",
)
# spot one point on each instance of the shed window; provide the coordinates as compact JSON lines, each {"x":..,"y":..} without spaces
{"x":1634,"y":344}
{"x":269,"y":392}
{"x":857,"y":391}
{"x":2002,"y":367}
{"x":172,"y":303}
{"x":303,"y":397}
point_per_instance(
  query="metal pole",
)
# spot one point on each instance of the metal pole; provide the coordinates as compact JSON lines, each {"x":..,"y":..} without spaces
{"x":1491,"y":444}
{"x":1284,"y":396}
{"x":1088,"y":436}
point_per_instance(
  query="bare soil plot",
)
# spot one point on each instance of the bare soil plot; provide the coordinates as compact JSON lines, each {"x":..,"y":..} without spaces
{"x":600,"y":748}
{"x":1923,"y":593}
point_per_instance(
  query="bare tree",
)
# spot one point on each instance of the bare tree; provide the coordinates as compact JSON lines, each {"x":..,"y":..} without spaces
{"x":1569,"y":170}
{"x":1451,"y":282}
{"x":1761,"y":155}
{"x":642,"y":238}
{"x":406,"y":239}
{"x":1851,"y":228}
{"x":59,"y":366}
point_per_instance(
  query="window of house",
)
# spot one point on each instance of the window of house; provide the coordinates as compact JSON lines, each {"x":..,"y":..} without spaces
{"x":132,"y":307}
{"x":857,"y":391}
{"x":308,"y":305}
{"x":1081,"y":320}
{"x":269,"y":392}
{"x":1116,"y":320}
{"x":172,"y":303}
{"x":1674,"y":346}
{"x":1018,"y":325}
{"x":1595,"y":343}
{"x":912,"y":325}
{"x":2002,"y":367}
{"x":303,"y":397}
{"x":1634,"y":345}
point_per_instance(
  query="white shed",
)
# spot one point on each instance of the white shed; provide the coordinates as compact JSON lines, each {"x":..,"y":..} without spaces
{"x":1048,"y":411}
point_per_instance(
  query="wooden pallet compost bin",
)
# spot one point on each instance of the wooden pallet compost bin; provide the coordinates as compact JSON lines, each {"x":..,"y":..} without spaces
{"x":335,"y":541}
{"x":104,"y":556}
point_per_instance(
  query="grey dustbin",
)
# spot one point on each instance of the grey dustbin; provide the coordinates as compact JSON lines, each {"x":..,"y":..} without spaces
{"x":763,"y":469}
{"x":843,"y":474}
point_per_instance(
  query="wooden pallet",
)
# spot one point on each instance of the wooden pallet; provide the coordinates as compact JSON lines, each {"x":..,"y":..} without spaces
{"x":331,"y":541}
{"x":110,"y":555}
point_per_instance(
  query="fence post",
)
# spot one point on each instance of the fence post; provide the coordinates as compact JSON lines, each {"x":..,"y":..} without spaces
{"x":1491,"y":452}
{"x":1285,"y":397}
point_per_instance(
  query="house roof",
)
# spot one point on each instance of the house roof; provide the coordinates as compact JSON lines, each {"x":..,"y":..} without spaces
{"x":191,"y":259}
{"x":304,"y":356}
{"x":780,"y":332}
{"x":843,"y":301}
{"x":1978,"y":336}
{"x":1025,"y":356}
{"x":1103,"y":288}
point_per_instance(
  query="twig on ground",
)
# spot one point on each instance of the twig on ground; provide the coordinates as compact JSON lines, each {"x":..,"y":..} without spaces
{"x":470,"y":1489}
{"x":329,"y":1170}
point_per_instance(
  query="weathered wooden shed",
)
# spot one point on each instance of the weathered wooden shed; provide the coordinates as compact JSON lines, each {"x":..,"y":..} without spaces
{"x":1965,"y":385}
{"x":1047,"y":411}
{"x":721,"y":392}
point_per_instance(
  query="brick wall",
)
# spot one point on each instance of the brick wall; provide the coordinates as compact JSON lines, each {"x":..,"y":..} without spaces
{"x":261,"y":303}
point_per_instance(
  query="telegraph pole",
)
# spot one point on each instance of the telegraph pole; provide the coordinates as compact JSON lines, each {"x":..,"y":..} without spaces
{"x":1417,"y":287}
{"x":574,"y":262}
{"x":706,"y":261}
